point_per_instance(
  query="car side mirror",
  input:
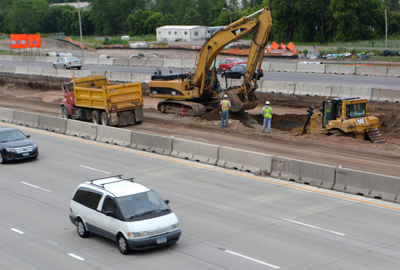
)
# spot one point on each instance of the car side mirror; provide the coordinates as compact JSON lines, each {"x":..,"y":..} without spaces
{"x":109,"y":213}
{"x":28,"y":136}
{"x":166,"y":201}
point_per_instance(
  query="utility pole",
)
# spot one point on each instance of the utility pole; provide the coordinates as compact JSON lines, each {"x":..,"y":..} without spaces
{"x":386,"y":27}
{"x":80,"y":29}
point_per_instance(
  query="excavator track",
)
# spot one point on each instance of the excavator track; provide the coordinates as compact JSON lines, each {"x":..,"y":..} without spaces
{"x":375,"y":136}
{"x":182,"y":108}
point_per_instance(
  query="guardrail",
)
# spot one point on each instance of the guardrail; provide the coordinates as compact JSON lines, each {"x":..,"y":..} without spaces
{"x":266,"y":66}
{"x":367,"y":184}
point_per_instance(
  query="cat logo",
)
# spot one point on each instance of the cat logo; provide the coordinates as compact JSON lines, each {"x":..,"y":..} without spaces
{"x":239,"y":31}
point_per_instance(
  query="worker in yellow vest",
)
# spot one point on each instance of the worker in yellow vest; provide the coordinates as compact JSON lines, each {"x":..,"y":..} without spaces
{"x":225,"y":106}
{"x":267,"y":113}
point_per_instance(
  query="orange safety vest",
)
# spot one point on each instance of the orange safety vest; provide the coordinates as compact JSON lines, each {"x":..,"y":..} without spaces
{"x":225,"y":104}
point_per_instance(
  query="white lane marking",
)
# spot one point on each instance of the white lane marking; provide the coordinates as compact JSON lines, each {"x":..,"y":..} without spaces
{"x":17,"y":231}
{"x":315,"y":227}
{"x":94,"y":169}
{"x":76,"y":257}
{"x":51,"y":242}
{"x":251,"y":259}
{"x":25,"y":183}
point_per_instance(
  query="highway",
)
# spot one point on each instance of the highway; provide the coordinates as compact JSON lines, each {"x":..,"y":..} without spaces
{"x":229,"y":219}
{"x":382,"y":82}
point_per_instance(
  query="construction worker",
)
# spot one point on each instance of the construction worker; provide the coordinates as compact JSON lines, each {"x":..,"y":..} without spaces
{"x":225,"y":106}
{"x":267,"y":113}
{"x":328,"y":111}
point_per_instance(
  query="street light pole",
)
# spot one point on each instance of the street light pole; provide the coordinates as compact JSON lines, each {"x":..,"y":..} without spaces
{"x":80,"y":29}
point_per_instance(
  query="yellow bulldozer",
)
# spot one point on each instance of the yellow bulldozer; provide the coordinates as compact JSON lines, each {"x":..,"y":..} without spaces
{"x":343,"y":117}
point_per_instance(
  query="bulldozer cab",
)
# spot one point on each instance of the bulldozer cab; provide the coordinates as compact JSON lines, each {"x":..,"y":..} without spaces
{"x":348,"y":108}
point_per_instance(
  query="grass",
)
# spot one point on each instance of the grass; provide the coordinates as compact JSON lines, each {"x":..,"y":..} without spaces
{"x":94,"y":41}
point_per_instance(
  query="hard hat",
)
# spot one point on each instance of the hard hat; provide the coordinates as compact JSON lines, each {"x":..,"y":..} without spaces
{"x":267,"y":102}
{"x":225,"y":96}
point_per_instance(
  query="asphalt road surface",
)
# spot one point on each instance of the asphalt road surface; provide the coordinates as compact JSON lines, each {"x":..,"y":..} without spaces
{"x":229,"y":219}
{"x":383,"y":82}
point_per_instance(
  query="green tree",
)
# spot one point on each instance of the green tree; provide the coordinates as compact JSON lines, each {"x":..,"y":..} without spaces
{"x":153,"y":21}
{"x":51,"y":18}
{"x":25,"y":16}
{"x":192,"y":17}
{"x":357,"y":19}
{"x":169,"y":19}
{"x":137,"y":22}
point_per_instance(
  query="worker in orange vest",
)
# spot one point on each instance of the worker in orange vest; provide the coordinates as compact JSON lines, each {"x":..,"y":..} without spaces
{"x":225,"y":106}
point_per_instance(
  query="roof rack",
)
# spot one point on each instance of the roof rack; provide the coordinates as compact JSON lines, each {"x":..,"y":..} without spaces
{"x":119,"y":180}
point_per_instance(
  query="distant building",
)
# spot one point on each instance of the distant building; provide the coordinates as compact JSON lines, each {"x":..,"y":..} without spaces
{"x":181,"y":33}
{"x":83,"y":5}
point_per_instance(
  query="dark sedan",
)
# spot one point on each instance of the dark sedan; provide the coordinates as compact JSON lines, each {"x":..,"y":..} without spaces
{"x":16,"y":145}
{"x":238,"y":72}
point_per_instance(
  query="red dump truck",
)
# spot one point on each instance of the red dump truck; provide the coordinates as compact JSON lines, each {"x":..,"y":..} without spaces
{"x":96,"y":100}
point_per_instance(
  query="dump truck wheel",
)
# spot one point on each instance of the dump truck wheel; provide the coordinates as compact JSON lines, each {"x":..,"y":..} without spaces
{"x":65,"y":113}
{"x":96,"y":117}
{"x":104,"y":119}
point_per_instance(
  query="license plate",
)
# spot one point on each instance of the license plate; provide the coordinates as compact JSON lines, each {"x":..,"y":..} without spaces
{"x":162,"y":240}
{"x":25,"y":154}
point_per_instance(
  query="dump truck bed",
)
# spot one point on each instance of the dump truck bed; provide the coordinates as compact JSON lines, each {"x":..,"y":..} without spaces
{"x":98,"y":93}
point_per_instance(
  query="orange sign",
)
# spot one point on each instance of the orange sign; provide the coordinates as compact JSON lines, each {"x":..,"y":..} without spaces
{"x":34,"y":41}
{"x":290,"y":46}
{"x":274,"y":45}
{"x":19,"y":41}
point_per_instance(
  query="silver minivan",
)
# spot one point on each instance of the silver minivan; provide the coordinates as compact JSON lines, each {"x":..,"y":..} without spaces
{"x":124,"y":211}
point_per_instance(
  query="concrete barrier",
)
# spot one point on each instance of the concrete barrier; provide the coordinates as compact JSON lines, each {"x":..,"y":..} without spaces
{"x":40,"y":59}
{"x":106,"y":61}
{"x":311,"y":89}
{"x":26,"y":119}
{"x":310,"y":68}
{"x":172,"y":63}
{"x":6,"y":115}
{"x":51,"y":123}
{"x":82,"y":73}
{"x":151,"y":143}
{"x":342,"y":91}
{"x":51,"y":59}
{"x":385,"y":95}
{"x":91,"y":61}
{"x":154,"y":63}
{"x":113,"y":135}
{"x":8,"y":58}
{"x":121,"y":76}
{"x":8,"y":69}
{"x":28,"y":58}
{"x":393,"y":72}
{"x":188,"y":63}
{"x":35,"y":70}
{"x":64,"y":73}
{"x":1,"y":57}
{"x":304,"y":172}
{"x":244,"y":161}
{"x":340,"y":69}
{"x":121,"y":62}
{"x":362,"y":92}
{"x":141,"y":77}
{"x":283,"y":67}
{"x":81,"y":129}
{"x":21,"y":70}
{"x":51,"y":72}
{"x":18,"y":58}
{"x":137,"y":62}
{"x":266,"y":66}
{"x":271,"y":86}
{"x":367,"y":184}
{"x":195,"y":151}
{"x":371,"y":71}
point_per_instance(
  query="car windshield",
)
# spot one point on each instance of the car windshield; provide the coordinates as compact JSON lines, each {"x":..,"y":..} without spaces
{"x":141,"y":204}
{"x":72,"y":58}
{"x":12,"y":135}
{"x":237,"y":60}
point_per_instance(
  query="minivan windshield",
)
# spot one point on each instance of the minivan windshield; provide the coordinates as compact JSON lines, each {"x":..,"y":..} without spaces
{"x":138,"y":205}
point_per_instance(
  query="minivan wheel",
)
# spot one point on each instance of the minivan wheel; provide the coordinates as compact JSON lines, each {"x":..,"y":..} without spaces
{"x":123,"y":245}
{"x":80,"y":227}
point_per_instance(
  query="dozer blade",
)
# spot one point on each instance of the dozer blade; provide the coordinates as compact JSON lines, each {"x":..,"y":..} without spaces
{"x":375,"y":136}
{"x":238,"y":102}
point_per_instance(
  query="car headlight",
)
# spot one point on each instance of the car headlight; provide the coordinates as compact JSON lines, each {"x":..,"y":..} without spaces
{"x":35,"y":145}
{"x":10,"y":150}
{"x":173,"y":226}
{"x":138,"y":234}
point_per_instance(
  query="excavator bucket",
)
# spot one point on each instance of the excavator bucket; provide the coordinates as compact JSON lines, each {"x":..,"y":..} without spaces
{"x":239,"y":102}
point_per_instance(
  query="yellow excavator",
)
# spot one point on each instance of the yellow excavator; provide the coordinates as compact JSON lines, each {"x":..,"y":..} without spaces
{"x":191,"y":94}
{"x":343,"y":117}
